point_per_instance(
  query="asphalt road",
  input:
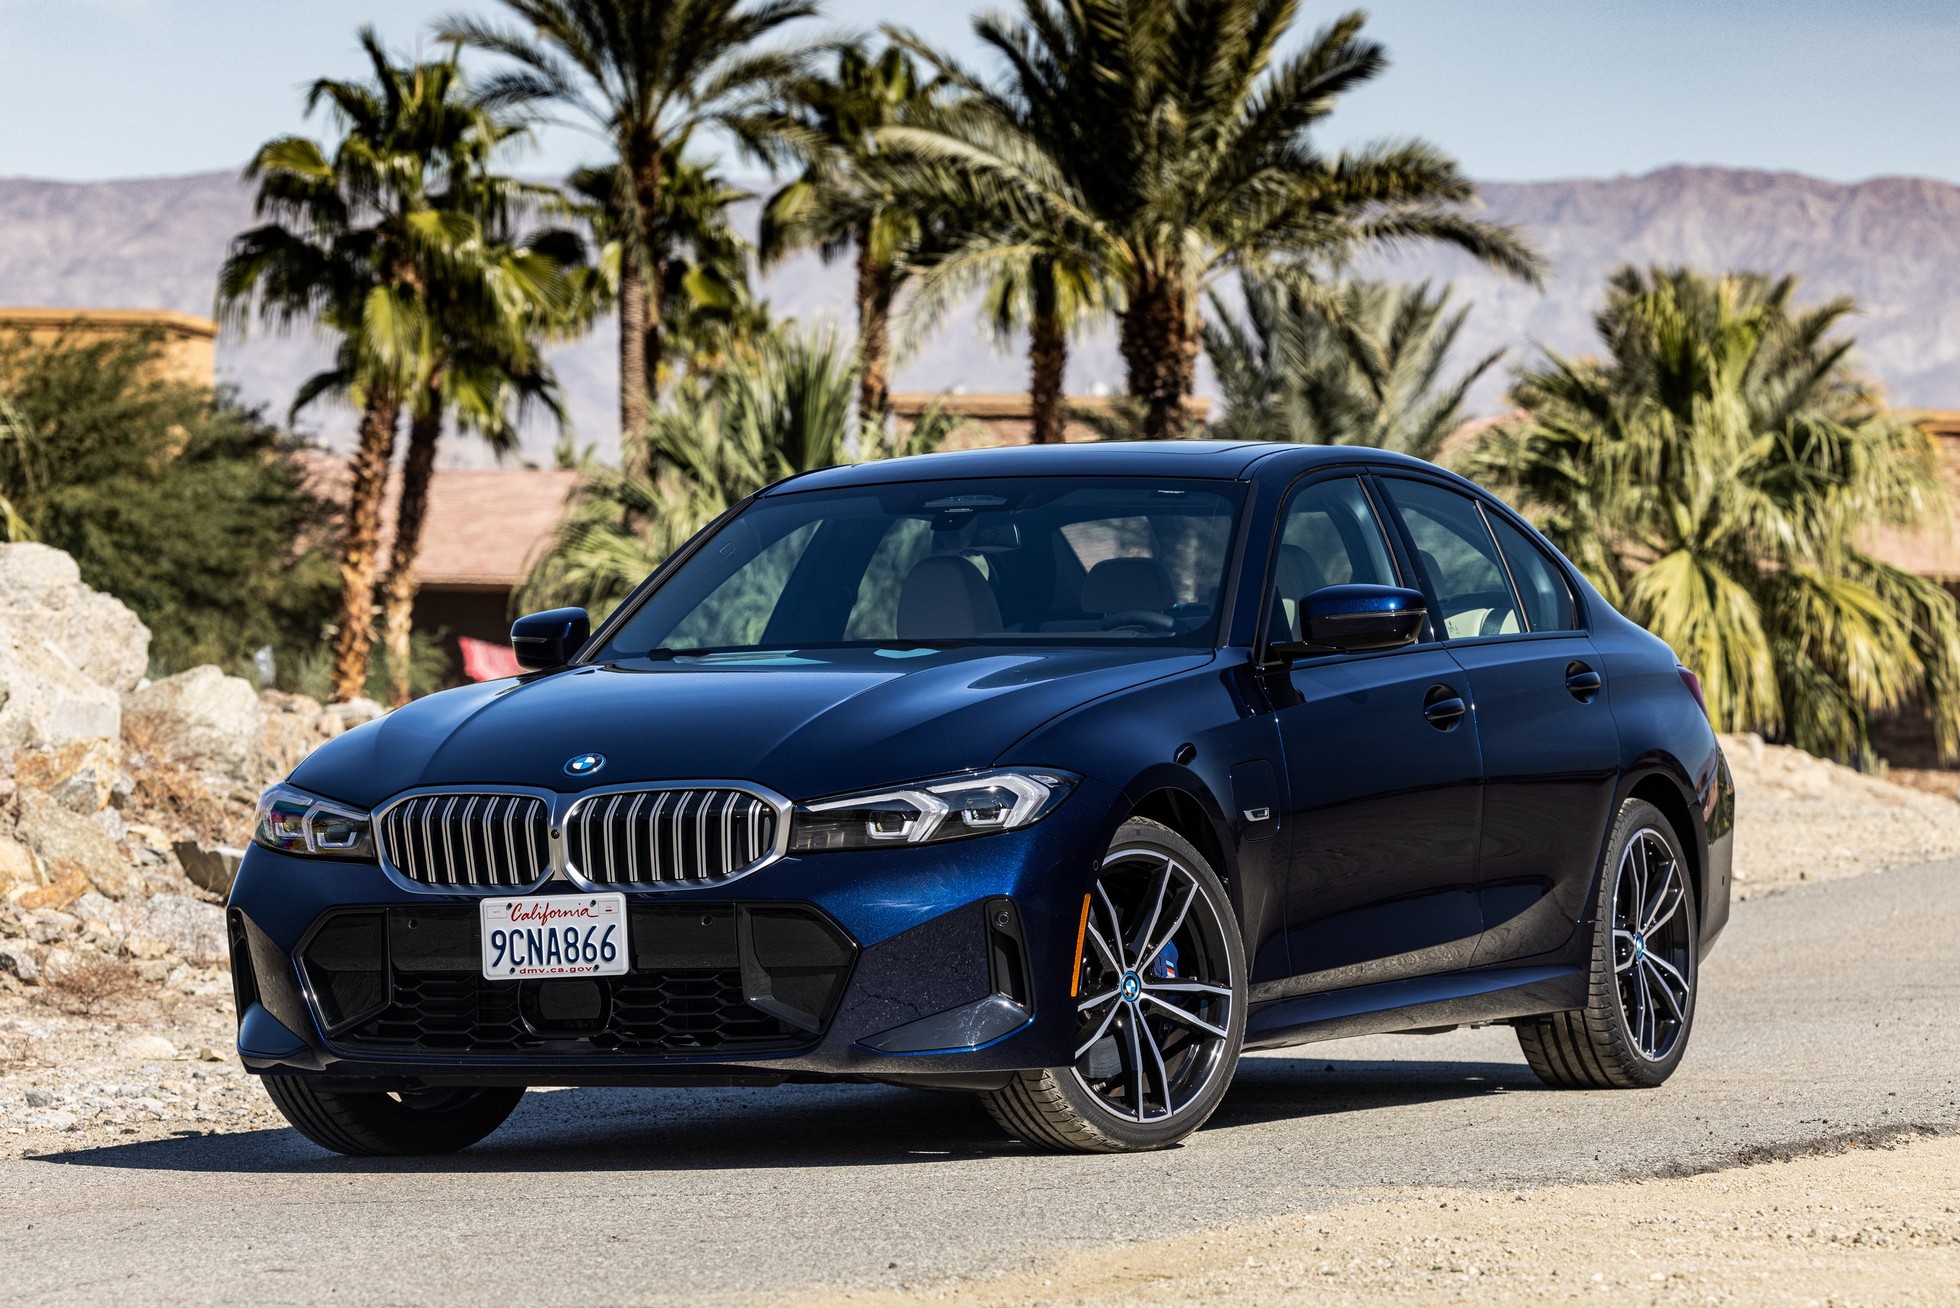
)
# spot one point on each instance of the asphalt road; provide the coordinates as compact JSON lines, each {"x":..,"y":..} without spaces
{"x":1828,"y":1012}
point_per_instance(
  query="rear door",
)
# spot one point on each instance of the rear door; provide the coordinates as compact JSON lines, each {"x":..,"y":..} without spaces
{"x":1550,"y":747}
{"x":1383,"y":780}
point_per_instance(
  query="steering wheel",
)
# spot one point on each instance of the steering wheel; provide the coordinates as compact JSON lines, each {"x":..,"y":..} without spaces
{"x":1143,"y":621}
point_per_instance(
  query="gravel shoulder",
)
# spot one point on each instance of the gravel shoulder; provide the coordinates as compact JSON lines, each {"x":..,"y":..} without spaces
{"x":1854,"y":1225}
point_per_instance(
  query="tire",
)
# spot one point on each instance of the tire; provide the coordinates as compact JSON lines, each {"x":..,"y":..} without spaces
{"x":1181,"y":989}
{"x":1644,"y":976}
{"x":373,"y":1123}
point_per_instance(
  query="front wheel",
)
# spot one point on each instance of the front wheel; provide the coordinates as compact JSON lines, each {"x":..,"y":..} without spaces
{"x":369,"y":1123}
{"x":1160,"y":1002}
{"x":1641,"y":1004}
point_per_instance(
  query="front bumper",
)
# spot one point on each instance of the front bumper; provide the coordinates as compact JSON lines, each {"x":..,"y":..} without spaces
{"x":936,"y":965}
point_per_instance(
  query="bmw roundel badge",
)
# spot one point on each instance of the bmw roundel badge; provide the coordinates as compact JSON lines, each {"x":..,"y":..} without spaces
{"x":584,"y":765}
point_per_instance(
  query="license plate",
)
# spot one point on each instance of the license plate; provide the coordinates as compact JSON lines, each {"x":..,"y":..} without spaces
{"x":554,"y":935}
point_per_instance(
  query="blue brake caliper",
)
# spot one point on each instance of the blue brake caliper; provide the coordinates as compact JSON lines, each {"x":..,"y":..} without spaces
{"x":1164,"y":966}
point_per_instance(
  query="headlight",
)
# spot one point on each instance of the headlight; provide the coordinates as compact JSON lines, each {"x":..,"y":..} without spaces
{"x":930,"y":812}
{"x":294,"y":822}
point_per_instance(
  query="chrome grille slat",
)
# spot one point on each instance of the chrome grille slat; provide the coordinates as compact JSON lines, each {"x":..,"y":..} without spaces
{"x":495,"y":841}
{"x":668,"y":836}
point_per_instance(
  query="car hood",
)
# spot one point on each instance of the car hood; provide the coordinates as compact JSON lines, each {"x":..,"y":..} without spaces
{"x":804,"y":725}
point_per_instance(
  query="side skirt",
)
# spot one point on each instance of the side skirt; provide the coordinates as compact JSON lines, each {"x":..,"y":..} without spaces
{"x":1419,"y":1003}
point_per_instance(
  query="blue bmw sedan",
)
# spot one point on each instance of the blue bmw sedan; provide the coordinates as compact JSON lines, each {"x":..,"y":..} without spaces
{"x":1056,"y":775}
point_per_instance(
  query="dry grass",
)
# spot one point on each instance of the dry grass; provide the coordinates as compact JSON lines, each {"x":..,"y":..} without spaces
{"x":91,"y":985}
{"x":173,"y":795}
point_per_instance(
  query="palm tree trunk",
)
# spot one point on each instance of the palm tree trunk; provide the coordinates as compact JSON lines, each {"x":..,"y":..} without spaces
{"x":632,"y":348}
{"x":1047,"y":360}
{"x":397,"y":589}
{"x":875,"y":289}
{"x":360,"y":541}
{"x":649,"y":179}
{"x":1160,"y":352}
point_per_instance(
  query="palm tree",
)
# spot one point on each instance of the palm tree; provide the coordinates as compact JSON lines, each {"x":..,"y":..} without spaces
{"x":646,"y":74}
{"x":1359,"y":364}
{"x":702,"y":263}
{"x":789,"y":408}
{"x":353,"y":239}
{"x":841,"y":201}
{"x":1716,"y":475}
{"x":1173,"y":137}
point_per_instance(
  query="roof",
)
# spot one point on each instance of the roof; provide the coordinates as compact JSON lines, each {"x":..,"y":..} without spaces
{"x":1217,"y":460}
{"x":169,"y":321}
{"x":1933,"y":549}
{"x":485,"y":527}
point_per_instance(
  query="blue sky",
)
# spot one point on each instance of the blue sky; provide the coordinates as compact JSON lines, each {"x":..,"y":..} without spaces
{"x":1517,"y":89}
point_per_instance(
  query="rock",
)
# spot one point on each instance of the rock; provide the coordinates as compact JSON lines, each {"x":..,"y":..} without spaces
{"x":45,"y":699}
{"x":148,"y":1046}
{"x":210,"y":867}
{"x":293,"y":729}
{"x":203,"y":719}
{"x":80,"y":775}
{"x":40,"y":1098}
{"x":351,"y":714}
{"x":161,"y":926}
{"x":53,"y":1119}
{"x":112,"y":824}
{"x":20,"y":869}
{"x":70,"y":846}
{"x":41,"y":593}
{"x":16,"y":959}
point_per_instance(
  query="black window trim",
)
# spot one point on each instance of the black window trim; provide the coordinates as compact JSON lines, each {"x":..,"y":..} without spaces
{"x":1378,"y":505}
{"x":1485,"y":503}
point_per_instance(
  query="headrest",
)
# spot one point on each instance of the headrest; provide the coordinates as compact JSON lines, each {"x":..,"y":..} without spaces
{"x":1127,"y":586}
{"x":1295,"y":574}
{"x":945,"y":597}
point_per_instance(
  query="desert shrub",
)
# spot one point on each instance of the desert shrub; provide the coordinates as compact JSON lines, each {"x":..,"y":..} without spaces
{"x":179,"y":502}
{"x":89,"y":986}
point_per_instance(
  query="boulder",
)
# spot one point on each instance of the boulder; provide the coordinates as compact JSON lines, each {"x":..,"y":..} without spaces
{"x":42,"y":599}
{"x":293,"y":729}
{"x":350,"y":714}
{"x":67,"y":653}
{"x":20,"y":869}
{"x":161,"y":926}
{"x":81,"y":775}
{"x":209,"y":867}
{"x":74,"y":854}
{"x":202,"y":719}
{"x":17,"y":959}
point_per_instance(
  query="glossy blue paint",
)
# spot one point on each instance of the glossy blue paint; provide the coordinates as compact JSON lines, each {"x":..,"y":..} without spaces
{"x":1413,"y":868}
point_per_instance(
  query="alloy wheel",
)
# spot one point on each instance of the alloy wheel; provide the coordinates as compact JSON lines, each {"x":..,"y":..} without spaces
{"x":1155,"y":988}
{"x":1652,"y":951}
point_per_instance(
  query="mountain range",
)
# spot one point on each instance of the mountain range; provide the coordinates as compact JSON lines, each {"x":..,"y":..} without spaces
{"x":1892,"y":244}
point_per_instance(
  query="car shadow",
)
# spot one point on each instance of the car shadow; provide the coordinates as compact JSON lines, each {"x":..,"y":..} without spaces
{"x":679,"y":1129}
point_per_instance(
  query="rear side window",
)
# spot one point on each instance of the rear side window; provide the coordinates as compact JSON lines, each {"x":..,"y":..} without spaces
{"x":1456,"y":553}
{"x":1541,"y":586}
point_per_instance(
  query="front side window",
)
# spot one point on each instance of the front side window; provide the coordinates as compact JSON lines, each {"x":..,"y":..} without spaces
{"x":1456,"y":553}
{"x":1329,"y":537}
{"x":1036,"y":560}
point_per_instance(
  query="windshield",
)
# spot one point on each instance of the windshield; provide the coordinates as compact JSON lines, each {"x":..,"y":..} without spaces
{"x":1030,"y":560}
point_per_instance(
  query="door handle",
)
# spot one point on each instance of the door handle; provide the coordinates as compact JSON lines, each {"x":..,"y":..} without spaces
{"x":1582,"y":681}
{"x":1444,"y":707}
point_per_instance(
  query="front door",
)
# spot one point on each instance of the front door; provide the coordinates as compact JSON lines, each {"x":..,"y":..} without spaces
{"x":1550,"y":747}
{"x":1383,"y":775}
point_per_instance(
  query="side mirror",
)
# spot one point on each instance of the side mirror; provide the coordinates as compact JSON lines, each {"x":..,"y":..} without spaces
{"x":549,"y":639}
{"x":1355,"y":619}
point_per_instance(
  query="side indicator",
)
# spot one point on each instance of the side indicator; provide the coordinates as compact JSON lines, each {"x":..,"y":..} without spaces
{"x":1081,"y":935}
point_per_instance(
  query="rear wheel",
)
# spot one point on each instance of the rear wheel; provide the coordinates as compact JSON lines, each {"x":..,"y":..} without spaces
{"x":372,"y":1122}
{"x":1160,"y":999}
{"x":1634,"y":1029}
